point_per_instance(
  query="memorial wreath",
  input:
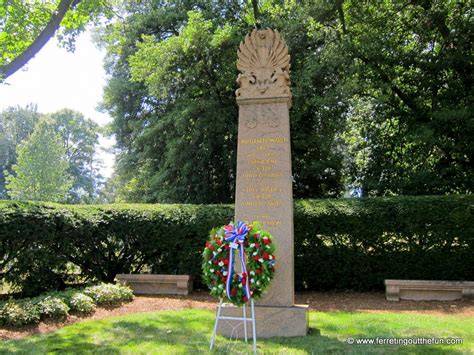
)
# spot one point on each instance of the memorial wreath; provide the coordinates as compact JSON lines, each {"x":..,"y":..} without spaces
{"x":255,"y":250}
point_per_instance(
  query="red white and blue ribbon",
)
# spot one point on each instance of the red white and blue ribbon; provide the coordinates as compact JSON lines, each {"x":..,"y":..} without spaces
{"x":235,"y":236}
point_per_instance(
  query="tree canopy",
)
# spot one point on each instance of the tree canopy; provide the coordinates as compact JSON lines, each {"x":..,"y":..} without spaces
{"x":40,"y":173}
{"x":78,"y":137}
{"x":179,"y":144}
{"x":382,"y":93}
{"x":382,"y":96}
{"x":414,"y":107}
{"x":26,"y":26}
{"x":16,"y":124}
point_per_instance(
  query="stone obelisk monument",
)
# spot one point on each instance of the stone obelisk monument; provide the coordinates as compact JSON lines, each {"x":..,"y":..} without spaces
{"x":264,"y":179}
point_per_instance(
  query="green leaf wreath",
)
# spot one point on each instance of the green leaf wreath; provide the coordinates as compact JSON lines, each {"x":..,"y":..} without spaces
{"x":259,"y":257}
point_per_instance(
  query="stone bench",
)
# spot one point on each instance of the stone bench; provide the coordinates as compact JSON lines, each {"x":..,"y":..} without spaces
{"x":428,"y":290}
{"x":149,"y":284}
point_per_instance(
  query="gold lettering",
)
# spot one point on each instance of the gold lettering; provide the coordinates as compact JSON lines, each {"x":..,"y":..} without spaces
{"x":262,"y":168}
{"x":249,"y":175}
{"x":273,"y":203}
{"x":270,"y":189}
{"x":278,"y":140}
{"x":258,"y":203}
{"x":251,"y":204}
{"x":263,"y":161}
{"x":263,"y":196}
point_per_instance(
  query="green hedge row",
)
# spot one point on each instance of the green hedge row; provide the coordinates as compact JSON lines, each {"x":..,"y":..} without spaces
{"x":39,"y":242}
{"x":357,"y":243}
{"x":339,"y":244}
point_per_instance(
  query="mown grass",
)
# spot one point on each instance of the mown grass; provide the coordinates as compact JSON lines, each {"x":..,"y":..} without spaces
{"x":189,"y":331}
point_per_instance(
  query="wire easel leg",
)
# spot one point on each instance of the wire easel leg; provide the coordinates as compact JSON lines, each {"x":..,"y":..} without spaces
{"x":215,"y":325}
{"x":254,"y":329}
{"x":244,"y":319}
{"x":245,"y":323}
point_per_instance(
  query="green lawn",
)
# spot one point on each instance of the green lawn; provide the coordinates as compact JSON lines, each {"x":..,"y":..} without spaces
{"x":189,"y":331}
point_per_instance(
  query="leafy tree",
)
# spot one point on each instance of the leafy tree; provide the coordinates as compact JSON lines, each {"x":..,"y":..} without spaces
{"x":26,"y":26}
{"x":195,"y":161}
{"x":41,"y":170}
{"x":398,"y":78}
{"x":16,"y":124}
{"x":181,"y":101}
{"x":79,"y":137}
{"x":179,"y":147}
{"x":382,"y":96}
{"x":413,"y":114}
{"x":322,"y":86}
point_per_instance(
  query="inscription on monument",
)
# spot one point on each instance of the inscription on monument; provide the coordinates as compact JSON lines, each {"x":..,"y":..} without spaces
{"x":263,"y":188}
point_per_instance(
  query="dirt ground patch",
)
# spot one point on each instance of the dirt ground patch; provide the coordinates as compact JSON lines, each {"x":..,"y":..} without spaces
{"x":318,"y":301}
{"x":376,"y":302}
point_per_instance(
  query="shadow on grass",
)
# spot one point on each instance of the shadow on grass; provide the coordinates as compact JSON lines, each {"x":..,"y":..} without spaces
{"x":319,"y":344}
{"x":190,"y":332}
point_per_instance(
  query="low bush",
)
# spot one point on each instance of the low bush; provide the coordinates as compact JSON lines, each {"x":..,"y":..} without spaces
{"x":58,"y":304}
{"x":18,"y":313}
{"x":76,"y":300}
{"x":339,"y":243}
{"x":108,"y":294}
{"x":80,"y":302}
{"x":51,"y":307}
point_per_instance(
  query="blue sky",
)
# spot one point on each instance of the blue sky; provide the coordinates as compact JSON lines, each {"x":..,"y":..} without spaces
{"x":57,"y":79}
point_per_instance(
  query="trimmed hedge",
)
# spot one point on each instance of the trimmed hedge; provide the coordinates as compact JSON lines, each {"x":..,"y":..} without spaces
{"x":39,"y":240}
{"x":339,"y":243}
{"x":357,"y":243}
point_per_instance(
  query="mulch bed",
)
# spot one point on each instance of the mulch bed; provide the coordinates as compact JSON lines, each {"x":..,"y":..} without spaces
{"x":318,"y":301}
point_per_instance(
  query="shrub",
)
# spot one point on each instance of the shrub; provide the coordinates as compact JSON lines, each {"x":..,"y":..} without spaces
{"x":52,"y":306}
{"x":58,"y":304}
{"x":28,"y":237}
{"x":18,"y":313}
{"x":76,"y":300}
{"x":80,"y":302}
{"x":108,"y":293}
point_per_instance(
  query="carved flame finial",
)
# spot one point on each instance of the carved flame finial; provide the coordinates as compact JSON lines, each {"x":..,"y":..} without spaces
{"x":264,"y":64}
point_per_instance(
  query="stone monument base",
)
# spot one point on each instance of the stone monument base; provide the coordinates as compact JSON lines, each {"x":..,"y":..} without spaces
{"x":271,"y":321}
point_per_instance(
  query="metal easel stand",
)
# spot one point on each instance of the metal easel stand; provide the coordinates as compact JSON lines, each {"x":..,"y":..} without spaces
{"x":243,"y":319}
